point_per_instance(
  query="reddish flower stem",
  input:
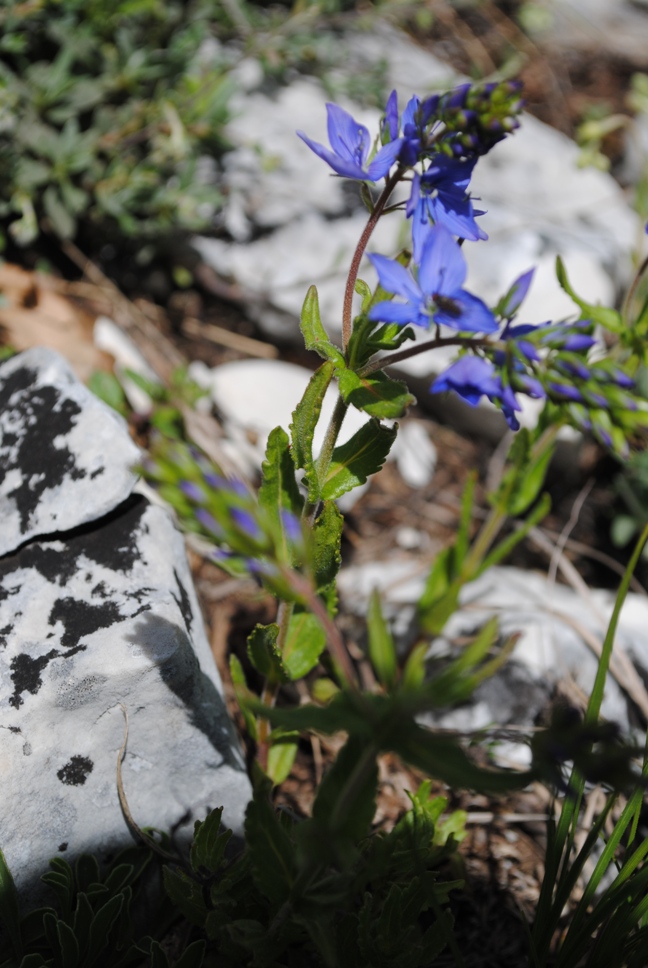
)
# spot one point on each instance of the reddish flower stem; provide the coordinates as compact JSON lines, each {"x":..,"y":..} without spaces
{"x":354,"y":268}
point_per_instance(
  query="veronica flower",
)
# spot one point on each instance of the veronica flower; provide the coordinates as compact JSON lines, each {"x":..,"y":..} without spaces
{"x":472,"y":378}
{"x":350,"y":144}
{"x":411,"y":126}
{"x":436,"y":293}
{"x":440,"y":195}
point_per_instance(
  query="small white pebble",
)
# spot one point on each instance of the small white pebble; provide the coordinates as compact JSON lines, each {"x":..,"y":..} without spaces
{"x":408,"y":538}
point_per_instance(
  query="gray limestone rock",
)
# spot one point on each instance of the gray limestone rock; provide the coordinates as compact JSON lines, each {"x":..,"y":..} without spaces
{"x":93,"y":619}
{"x":65,"y":458}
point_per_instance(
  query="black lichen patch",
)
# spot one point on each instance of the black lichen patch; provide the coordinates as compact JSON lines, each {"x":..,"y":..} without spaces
{"x":112,"y":542}
{"x":44,"y":415}
{"x":76,"y":771}
{"x":26,"y":674}
{"x":62,"y":847}
{"x":81,"y":619}
{"x":183,"y":602}
{"x":4,"y":632}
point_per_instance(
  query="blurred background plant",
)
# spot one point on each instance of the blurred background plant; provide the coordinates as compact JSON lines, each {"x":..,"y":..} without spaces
{"x":110,"y":114}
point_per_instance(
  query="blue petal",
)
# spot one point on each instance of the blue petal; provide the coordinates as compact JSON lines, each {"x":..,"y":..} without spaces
{"x":384,"y":159}
{"x":391,"y":115}
{"x":466,"y":313}
{"x":442,"y":267}
{"x":340,"y":165}
{"x":401,"y":313}
{"x":348,"y":137}
{"x":457,"y":215}
{"x":517,"y":293}
{"x":395,"y":278}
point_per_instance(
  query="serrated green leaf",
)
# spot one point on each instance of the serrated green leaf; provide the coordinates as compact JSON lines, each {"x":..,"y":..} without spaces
{"x":376,"y":394}
{"x":352,"y":463}
{"x":186,"y":894}
{"x":281,"y":755}
{"x":304,"y":421}
{"x":382,"y":650}
{"x":326,"y":556}
{"x":119,"y":877}
{"x":272,"y":853}
{"x":305,"y":642}
{"x":265,"y":654}
{"x":315,"y":336}
{"x":279,"y":491}
{"x":209,"y":842}
{"x":10,"y":907}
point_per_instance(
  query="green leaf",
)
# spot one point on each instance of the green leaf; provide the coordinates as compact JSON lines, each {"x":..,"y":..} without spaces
{"x":62,"y":222}
{"x":304,"y":421}
{"x":243,"y":694}
{"x":83,"y":916}
{"x":315,"y":336}
{"x":193,"y":956}
{"x":523,"y":480}
{"x":352,"y":463}
{"x":345,"y":804}
{"x":443,"y":758}
{"x":391,"y":336}
{"x":441,"y":593}
{"x":158,"y":956}
{"x":326,"y":556}
{"x":107,"y":387}
{"x":281,"y":755}
{"x":610,"y":319}
{"x":86,"y":871}
{"x":100,"y":928}
{"x":305,"y":642}
{"x":272,"y":853}
{"x":376,"y":394}
{"x":9,"y":907}
{"x":382,"y":650}
{"x":265,"y":654}
{"x":186,"y":894}
{"x":62,"y":941}
{"x":209,"y":842}
{"x":61,"y":880}
{"x":279,"y":492}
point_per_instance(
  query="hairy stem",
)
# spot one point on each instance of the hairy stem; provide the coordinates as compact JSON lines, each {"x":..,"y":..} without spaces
{"x":432,"y":344}
{"x":354,"y":268}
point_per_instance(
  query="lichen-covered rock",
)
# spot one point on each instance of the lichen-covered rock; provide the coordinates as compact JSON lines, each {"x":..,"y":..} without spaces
{"x":94,"y":619}
{"x":65,"y":458}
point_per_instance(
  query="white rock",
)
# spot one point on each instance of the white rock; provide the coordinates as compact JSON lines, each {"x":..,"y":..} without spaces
{"x":414,"y":453}
{"x":92,"y":617}
{"x":110,"y":338}
{"x":66,"y":458}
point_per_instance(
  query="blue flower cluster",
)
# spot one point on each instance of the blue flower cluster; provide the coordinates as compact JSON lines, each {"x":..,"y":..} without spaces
{"x":435,"y":144}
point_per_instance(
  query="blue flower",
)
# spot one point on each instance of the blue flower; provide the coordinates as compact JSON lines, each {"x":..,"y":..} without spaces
{"x":436,"y":294}
{"x":472,"y":378}
{"x":441,"y":194}
{"x":516,"y":294}
{"x":412,"y":126}
{"x":350,"y":142}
